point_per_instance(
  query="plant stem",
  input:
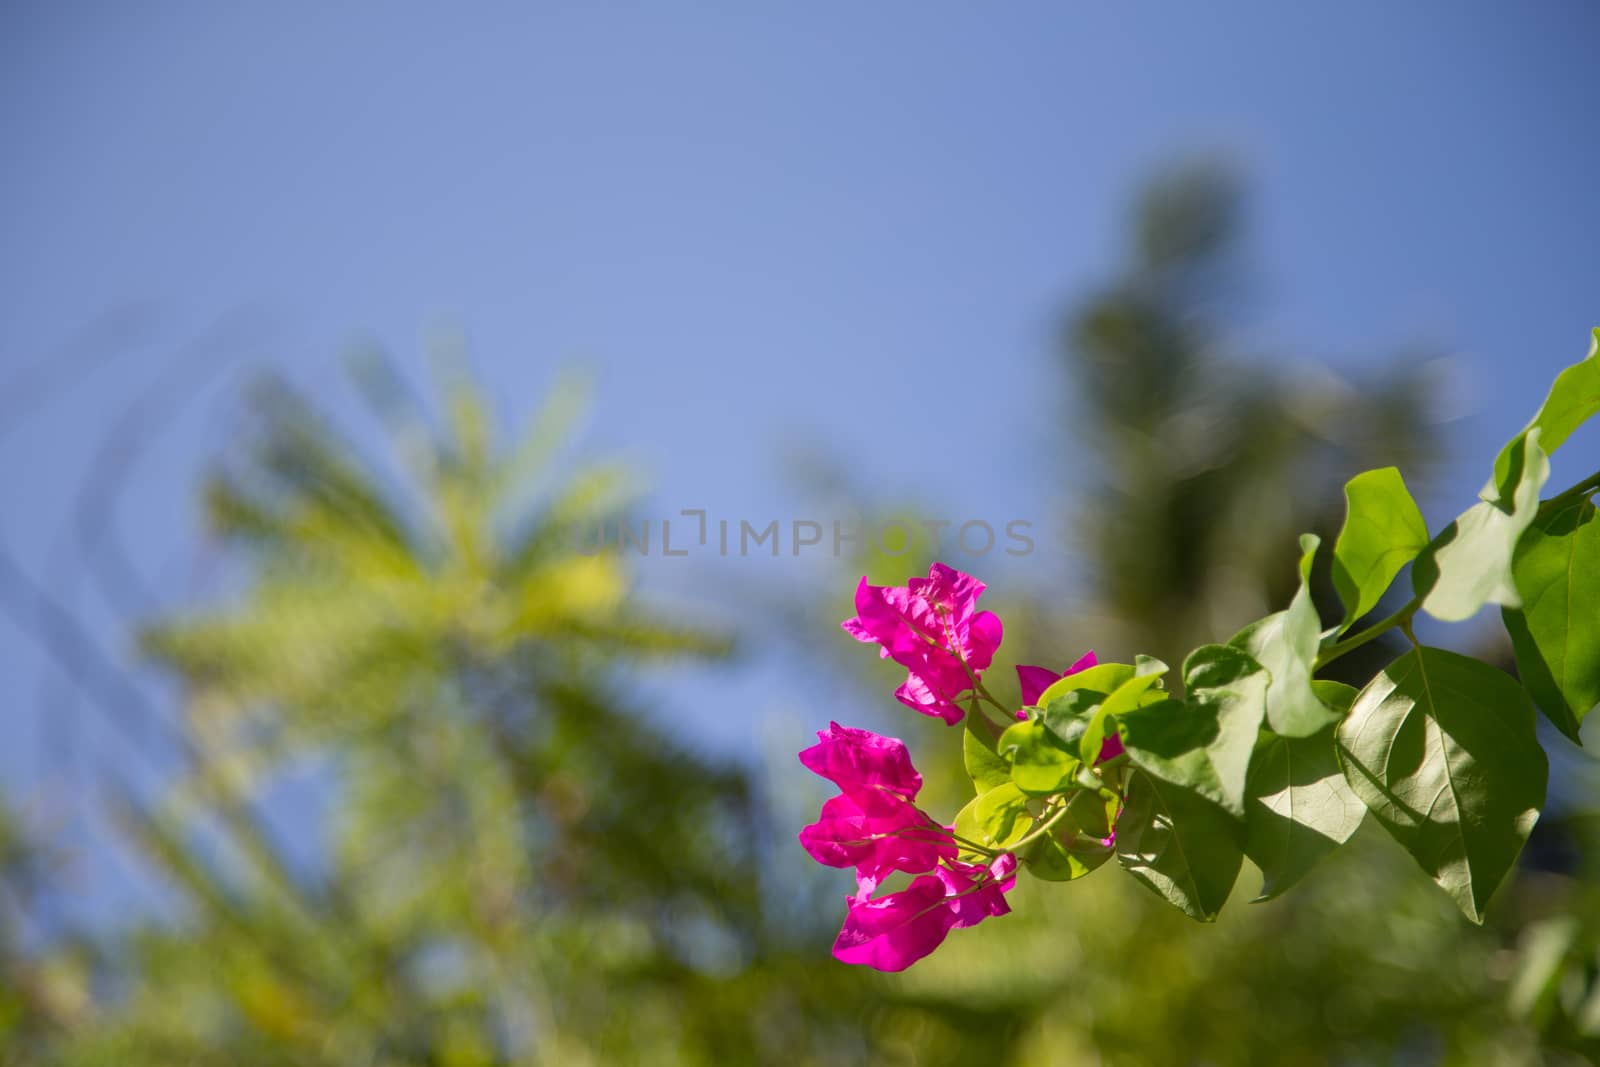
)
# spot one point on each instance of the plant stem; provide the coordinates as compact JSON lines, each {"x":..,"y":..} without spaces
{"x":1042,"y":828}
{"x":1562,"y":499}
{"x":1371,"y":633}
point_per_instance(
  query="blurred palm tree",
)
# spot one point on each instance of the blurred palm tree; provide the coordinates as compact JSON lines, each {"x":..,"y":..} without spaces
{"x":512,"y":862}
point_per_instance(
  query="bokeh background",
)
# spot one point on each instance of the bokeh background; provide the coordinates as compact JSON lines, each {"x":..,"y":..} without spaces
{"x":326,"y":328}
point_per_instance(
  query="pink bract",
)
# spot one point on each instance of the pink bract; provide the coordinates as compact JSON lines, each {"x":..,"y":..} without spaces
{"x":857,"y":759}
{"x":877,"y":833}
{"x":931,"y":627}
{"x":898,"y":929}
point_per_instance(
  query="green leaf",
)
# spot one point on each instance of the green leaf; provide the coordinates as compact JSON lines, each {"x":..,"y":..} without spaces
{"x":1102,"y":678}
{"x":984,"y":764}
{"x":1299,"y":807}
{"x":1442,"y":749}
{"x":1001,"y":815}
{"x":1041,"y":764}
{"x":1143,"y":665}
{"x":1285,"y":643}
{"x":1062,"y":858}
{"x":1573,"y":399}
{"x":1179,"y":844}
{"x":1469,"y":563}
{"x":1556,"y":633}
{"x":1203,"y":743}
{"x":1125,"y":698}
{"x":1383,"y":531}
{"x":1078,"y":844}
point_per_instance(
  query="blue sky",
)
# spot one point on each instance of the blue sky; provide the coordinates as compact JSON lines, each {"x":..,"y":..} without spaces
{"x":756,"y":223}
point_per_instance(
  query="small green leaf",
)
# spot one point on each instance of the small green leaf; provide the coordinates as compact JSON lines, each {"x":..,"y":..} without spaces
{"x":1573,"y":399}
{"x":1102,"y":678}
{"x":985,"y":766}
{"x":1125,"y":698}
{"x":1203,"y":743}
{"x":1383,"y":531}
{"x":1299,"y":807}
{"x":1001,"y":815}
{"x":1469,"y":563}
{"x":1442,"y":749}
{"x":1556,"y":633}
{"x":1064,"y":857}
{"x":1143,"y":665}
{"x":1285,"y":643}
{"x":1179,"y":844}
{"x":1078,"y":844}
{"x":1041,"y":764}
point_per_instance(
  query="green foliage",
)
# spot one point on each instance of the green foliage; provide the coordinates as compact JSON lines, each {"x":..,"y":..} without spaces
{"x":1260,"y":758}
{"x":1573,"y":399}
{"x":1469,"y":563}
{"x":985,"y":766}
{"x":1299,"y":807}
{"x":1203,"y":742}
{"x":1182,"y":846}
{"x":1041,"y":763}
{"x":1285,"y":644}
{"x":1383,"y":531}
{"x":1441,"y":747}
{"x":1556,"y":632}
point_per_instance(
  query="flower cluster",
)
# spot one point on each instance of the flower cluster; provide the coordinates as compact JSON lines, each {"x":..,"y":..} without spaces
{"x":875,"y":826}
{"x":930,"y":626}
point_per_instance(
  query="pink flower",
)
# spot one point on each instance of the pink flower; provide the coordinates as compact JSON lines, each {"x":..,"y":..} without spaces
{"x":1035,"y":680}
{"x":874,"y":826}
{"x":898,"y":929}
{"x":930,"y":627}
{"x":877,"y":833}
{"x":856,"y":759}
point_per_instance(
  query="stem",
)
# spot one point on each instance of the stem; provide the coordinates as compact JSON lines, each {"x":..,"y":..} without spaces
{"x":1401,"y":618}
{"x":1562,"y":499}
{"x":1042,"y":828}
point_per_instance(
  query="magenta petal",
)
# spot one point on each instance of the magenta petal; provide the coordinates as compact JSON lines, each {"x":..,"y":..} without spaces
{"x":895,"y":931}
{"x":877,"y":833}
{"x":978,"y":893}
{"x":929,"y":626}
{"x":856,"y":759}
{"x":915,"y":693}
{"x":1034,"y":681}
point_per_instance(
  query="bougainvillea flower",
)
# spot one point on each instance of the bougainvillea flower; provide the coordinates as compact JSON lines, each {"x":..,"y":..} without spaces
{"x":859,"y":759}
{"x":898,"y":929}
{"x":931,"y":627}
{"x":976,"y":893}
{"x":877,"y":833}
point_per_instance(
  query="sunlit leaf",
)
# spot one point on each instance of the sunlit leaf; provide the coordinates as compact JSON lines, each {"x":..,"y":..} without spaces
{"x":1183,"y":847}
{"x":1441,"y":748}
{"x":1203,"y":742}
{"x":1285,"y":643}
{"x":1298,"y":806}
{"x":1556,"y":632}
{"x":1574,"y":398}
{"x":986,"y":767}
{"x":1383,"y":531}
{"x":1469,"y":563}
{"x":1040,"y":763}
